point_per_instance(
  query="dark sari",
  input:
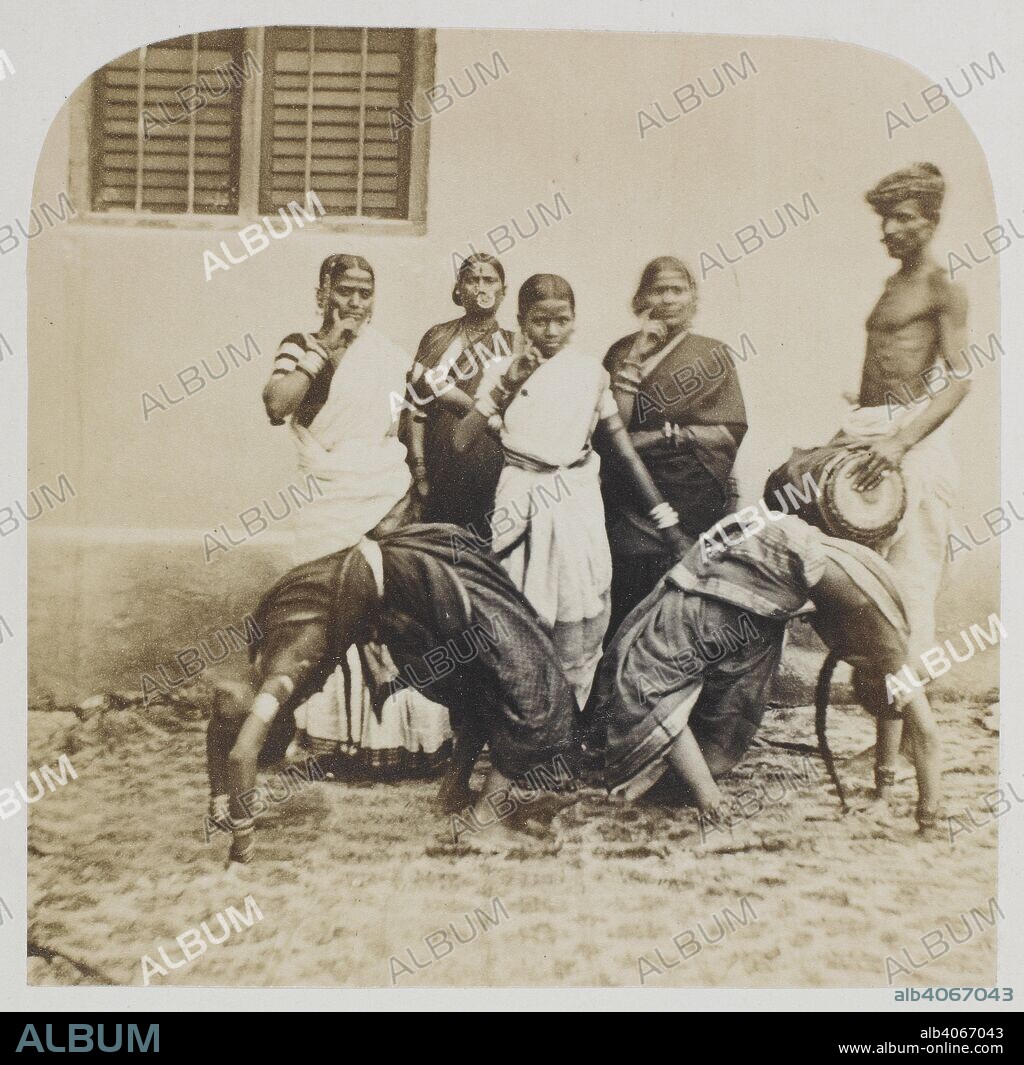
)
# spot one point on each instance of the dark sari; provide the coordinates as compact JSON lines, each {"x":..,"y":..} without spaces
{"x":456,"y":626}
{"x":701,"y":650}
{"x":461,"y":485}
{"x":694,"y":385}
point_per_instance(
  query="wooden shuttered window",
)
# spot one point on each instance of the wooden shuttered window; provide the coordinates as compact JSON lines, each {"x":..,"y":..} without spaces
{"x":166,"y":128}
{"x":328,"y":95}
{"x":240,"y":123}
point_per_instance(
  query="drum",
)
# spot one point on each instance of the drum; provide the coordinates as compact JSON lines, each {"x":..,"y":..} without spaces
{"x":817,"y":485}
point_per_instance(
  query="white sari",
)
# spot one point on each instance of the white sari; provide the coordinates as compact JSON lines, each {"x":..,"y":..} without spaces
{"x":352,"y":449}
{"x":547,"y":525}
{"x":917,"y":550}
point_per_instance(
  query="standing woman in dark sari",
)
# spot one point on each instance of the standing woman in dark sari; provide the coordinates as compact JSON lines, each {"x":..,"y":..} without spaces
{"x":451,"y":486}
{"x":679,"y":396}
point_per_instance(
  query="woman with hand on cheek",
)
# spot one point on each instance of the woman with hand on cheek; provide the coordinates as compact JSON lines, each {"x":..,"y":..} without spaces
{"x":550,"y":404}
{"x":334,"y":388}
{"x":679,"y":396}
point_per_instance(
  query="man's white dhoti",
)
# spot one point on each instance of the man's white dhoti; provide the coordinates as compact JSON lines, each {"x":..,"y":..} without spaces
{"x":917,"y":550}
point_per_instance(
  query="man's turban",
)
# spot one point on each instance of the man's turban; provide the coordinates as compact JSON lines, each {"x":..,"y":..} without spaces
{"x":919,"y":181}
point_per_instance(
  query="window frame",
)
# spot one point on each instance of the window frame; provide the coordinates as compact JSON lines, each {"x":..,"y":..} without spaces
{"x":82,"y":145}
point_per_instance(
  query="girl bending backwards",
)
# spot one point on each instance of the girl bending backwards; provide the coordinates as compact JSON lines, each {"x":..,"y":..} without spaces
{"x":550,"y":404}
{"x":685,"y":681}
{"x":454,"y":623}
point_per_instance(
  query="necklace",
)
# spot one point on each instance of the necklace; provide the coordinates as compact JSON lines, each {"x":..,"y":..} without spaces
{"x":479,"y":332}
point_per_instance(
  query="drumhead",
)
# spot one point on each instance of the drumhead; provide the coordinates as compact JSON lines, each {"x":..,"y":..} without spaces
{"x":867,"y":517}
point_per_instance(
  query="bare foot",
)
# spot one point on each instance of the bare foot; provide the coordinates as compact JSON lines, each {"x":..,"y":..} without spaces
{"x":932,"y":825}
{"x":722,"y":816}
{"x":455,"y":795}
{"x":865,"y":760}
{"x":242,"y":851}
{"x":545,"y":808}
{"x":875,"y":809}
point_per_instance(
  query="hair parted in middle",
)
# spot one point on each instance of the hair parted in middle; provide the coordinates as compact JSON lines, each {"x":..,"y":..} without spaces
{"x":544,"y":287}
{"x":663,"y":264}
{"x":333,"y":267}
{"x":476,"y":259}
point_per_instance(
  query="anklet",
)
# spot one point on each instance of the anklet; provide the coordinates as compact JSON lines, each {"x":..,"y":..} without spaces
{"x":884,"y":777}
{"x":243,"y":842}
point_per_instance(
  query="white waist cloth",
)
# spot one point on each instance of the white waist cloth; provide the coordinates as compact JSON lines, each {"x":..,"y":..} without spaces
{"x":361,"y":480}
{"x":917,"y":550}
{"x":553,"y":415}
{"x":561,"y":563}
{"x":931,"y":462}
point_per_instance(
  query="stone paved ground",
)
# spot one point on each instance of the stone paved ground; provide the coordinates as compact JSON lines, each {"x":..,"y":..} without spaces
{"x":351,"y":875}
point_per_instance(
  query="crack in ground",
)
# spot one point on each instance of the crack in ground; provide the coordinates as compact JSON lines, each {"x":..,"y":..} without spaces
{"x":50,"y":954}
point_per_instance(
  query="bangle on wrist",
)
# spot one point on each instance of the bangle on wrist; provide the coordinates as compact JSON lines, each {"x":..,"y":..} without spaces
{"x":664,"y":516}
{"x":311,"y":363}
{"x":627,"y":382}
{"x":486,"y":407}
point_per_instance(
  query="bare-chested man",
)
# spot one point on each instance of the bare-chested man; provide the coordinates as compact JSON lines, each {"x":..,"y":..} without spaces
{"x":914,"y":331}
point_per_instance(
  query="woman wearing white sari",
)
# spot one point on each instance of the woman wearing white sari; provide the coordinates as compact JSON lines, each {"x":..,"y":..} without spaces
{"x":334,"y":389}
{"x":551,"y":406}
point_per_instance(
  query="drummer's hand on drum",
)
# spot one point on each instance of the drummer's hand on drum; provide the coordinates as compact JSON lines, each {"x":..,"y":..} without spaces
{"x":879,"y":458}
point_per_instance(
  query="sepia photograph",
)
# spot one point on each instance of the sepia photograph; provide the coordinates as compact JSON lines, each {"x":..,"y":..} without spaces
{"x":511,"y":508}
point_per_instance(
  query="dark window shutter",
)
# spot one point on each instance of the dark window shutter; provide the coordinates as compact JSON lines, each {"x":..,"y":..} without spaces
{"x":149,"y":154}
{"x":328,"y":98}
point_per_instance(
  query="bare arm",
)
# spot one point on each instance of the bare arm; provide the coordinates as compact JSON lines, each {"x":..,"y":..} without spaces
{"x":493,"y":399}
{"x":688,"y":762}
{"x":288,"y":385}
{"x":469,"y":430}
{"x":626,"y":382}
{"x":951,"y":309}
{"x":442,"y":389}
{"x":417,"y":456}
{"x":613,"y":441}
{"x":283,"y":393}
{"x":455,"y":400}
{"x":952,"y":315}
{"x":645,"y":439}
